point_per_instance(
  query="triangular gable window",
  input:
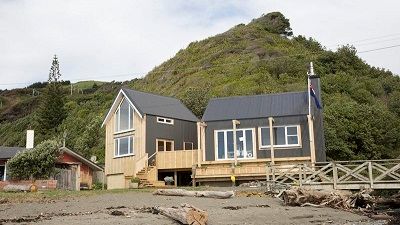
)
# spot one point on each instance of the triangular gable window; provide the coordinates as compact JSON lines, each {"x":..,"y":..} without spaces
{"x":124,"y":117}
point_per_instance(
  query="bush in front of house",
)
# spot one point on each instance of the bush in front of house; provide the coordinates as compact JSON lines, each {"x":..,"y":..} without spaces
{"x":98,"y":186}
{"x":37,"y":163}
{"x":135,"y":180}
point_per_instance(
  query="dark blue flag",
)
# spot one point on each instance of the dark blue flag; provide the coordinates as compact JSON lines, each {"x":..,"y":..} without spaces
{"x":312,"y":94}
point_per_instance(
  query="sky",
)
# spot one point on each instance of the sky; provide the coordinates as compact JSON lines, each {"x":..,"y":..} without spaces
{"x":125,"y":39}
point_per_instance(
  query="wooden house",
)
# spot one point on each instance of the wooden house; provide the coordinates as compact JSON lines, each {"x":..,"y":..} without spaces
{"x":148,"y":135}
{"x":237,"y":136}
{"x":260,"y":129}
{"x":75,"y":172}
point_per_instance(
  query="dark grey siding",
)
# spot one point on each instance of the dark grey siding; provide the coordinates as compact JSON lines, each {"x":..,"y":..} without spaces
{"x":181,"y":131}
{"x":260,"y":122}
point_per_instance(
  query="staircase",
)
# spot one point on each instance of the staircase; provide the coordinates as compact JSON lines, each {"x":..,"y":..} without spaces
{"x":148,"y":177}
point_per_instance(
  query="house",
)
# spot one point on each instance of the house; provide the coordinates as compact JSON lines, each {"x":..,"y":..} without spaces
{"x":151,"y":136}
{"x":74,"y":171}
{"x":7,"y":153}
{"x":273,"y":128}
{"x":144,"y":135}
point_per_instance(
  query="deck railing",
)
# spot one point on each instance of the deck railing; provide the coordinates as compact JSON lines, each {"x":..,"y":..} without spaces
{"x":375,"y":174}
{"x":178,"y":159}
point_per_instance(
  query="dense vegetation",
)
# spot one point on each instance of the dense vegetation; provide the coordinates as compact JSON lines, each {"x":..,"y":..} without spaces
{"x":37,"y":163}
{"x":361,"y":103}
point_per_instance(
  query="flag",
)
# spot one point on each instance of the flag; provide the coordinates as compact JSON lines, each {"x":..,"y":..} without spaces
{"x":312,"y":94}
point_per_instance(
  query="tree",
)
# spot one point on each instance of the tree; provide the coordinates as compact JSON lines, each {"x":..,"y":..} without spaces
{"x":38,"y":163}
{"x":51,"y":110}
{"x":196,"y":100}
{"x":275,"y":22}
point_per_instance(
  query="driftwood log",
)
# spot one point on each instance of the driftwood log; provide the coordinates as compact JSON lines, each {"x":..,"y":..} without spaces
{"x":332,"y":198}
{"x":205,"y":194}
{"x":186,"y":214}
{"x":19,"y":188}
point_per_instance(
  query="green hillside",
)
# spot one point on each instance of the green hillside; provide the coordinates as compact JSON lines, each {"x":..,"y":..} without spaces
{"x":361,"y":103}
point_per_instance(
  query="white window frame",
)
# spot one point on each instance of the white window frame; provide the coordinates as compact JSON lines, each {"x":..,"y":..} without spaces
{"x":286,"y":137}
{"x":226,"y":143}
{"x":165,"y":120}
{"x":130,"y":153}
{"x":117,"y":119}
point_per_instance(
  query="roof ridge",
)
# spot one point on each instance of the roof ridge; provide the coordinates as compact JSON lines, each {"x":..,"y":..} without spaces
{"x":247,"y":96}
{"x":148,"y":93}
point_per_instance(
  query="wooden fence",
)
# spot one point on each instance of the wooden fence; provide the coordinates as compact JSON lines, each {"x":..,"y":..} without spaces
{"x":375,"y":174}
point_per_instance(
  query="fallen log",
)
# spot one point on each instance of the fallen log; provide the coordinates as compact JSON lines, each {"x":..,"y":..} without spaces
{"x":18,"y":188}
{"x":309,"y":197}
{"x":205,"y":194}
{"x":186,"y":214}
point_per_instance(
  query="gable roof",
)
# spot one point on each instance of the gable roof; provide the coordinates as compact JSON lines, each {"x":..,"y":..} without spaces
{"x":9,"y":152}
{"x":151,"y":104}
{"x":256,"y":106}
{"x":81,"y":158}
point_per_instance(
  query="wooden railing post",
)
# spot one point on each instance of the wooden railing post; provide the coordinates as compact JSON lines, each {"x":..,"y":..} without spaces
{"x":300,"y":175}
{"x":335,"y":175}
{"x":371,"y":178}
{"x":267,"y":168}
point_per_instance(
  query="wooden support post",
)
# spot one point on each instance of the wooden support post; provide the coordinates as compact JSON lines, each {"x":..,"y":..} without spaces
{"x":194,"y":175}
{"x":199,"y":144}
{"x":371,"y":177}
{"x":176,"y":178}
{"x":267,"y":168}
{"x":335,"y":175}
{"x":234,"y":123}
{"x":312,"y":143}
{"x":203,"y":140}
{"x":271,"y":138}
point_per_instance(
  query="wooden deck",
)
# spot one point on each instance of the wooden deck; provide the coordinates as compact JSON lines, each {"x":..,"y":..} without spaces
{"x":342,"y":175}
{"x":245,"y":170}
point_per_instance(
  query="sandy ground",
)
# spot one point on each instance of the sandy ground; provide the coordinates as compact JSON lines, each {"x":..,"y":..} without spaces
{"x":93,"y":210}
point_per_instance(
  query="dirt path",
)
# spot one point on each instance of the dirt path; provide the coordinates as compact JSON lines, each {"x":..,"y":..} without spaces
{"x":97,"y":209}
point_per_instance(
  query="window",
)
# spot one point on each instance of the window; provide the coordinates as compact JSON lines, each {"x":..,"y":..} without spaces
{"x":284,"y":136}
{"x":123,"y":146}
{"x":165,"y":145}
{"x":124,"y":117}
{"x":244,"y":144}
{"x":165,"y":120}
{"x":187,"y":145}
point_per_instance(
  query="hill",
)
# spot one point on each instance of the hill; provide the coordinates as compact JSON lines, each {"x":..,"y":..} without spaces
{"x":361,"y":102}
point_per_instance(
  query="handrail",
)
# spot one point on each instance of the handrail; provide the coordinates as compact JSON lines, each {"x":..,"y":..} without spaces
{"x":148,"y":159}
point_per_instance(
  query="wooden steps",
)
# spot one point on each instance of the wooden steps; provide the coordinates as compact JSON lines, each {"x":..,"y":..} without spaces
{"x":147,"y":181}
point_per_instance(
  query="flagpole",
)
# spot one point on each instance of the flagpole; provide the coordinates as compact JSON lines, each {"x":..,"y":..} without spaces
{"x":309,"y":117}
{"x":310,"y":73}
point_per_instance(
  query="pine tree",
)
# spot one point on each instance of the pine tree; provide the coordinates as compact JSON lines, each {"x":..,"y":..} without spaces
{"x":52,"y":111}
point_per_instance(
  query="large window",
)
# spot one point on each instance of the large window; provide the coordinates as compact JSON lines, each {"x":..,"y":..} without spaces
{"x":124,"y":117}
{"x":124,"y":146}
{"x":244,"y":144}
{"x":284,"y":136}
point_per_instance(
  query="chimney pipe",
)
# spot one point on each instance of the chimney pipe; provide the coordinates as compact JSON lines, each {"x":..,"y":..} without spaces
{"x":30,"y":137}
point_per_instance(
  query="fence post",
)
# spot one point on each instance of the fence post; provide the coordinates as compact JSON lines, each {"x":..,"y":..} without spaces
{"x":300,"y":175}
{"x":371,"y":178}
{"x":267,"y":176}
{"x":335,"y":175}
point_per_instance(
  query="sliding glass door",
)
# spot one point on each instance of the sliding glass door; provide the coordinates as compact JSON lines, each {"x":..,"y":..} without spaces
{"x":244,"y":142}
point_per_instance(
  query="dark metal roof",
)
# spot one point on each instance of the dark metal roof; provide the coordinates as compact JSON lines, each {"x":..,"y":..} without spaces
{"x":159,"y":105}
{"x":9,"y":152}
{"x":256,"y":106}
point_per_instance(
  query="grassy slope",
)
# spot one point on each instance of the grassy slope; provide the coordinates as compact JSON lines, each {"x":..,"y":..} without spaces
{"x":249,"y":60}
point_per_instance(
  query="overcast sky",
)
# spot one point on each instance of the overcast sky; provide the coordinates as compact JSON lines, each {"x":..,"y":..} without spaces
{"x":121,"y":40}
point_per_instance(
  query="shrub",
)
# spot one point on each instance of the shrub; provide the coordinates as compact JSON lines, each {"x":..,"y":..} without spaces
{"x":37,"y":163}
{"x":135,"y":180}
